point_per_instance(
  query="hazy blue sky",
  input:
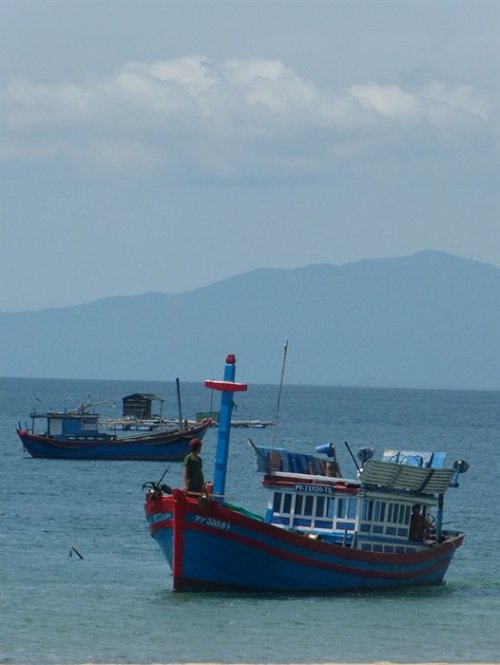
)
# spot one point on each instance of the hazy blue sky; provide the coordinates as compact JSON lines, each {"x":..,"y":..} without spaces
{"x":163,"y":145}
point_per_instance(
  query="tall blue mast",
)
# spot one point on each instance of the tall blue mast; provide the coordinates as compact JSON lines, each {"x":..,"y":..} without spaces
{"x":227,"y":387}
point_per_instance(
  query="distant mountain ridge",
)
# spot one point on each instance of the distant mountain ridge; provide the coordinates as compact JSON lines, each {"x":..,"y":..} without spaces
{"x":429,"y":320}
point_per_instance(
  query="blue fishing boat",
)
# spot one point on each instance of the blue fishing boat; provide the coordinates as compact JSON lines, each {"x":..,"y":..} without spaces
{"x":75,"y":435}
{"x":321,"y":532}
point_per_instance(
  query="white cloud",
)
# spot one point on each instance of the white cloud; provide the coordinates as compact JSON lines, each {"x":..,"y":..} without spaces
{"x":461,"y":98}
{"x":437,"y":101}
{"x":228,"y":118}
{"x":388,"y":100}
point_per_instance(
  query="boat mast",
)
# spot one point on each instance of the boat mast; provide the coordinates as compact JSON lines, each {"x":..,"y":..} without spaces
{"x":285,"y":350}
{"x":179,"y":403}
{"x":227,"y":387}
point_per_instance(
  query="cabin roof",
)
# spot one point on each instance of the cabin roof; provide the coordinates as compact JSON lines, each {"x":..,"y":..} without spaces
{"x":404,"y":477}
{"x":69,"y":415}
{"x":145,"y":396}
{"x":271,"y":460}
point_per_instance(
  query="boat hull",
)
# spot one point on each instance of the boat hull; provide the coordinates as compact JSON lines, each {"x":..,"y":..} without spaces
{"x":160,"y":446}
{"x":211,"y":546}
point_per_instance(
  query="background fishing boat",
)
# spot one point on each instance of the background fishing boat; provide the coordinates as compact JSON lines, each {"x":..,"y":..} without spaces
{"x":77,"y":436}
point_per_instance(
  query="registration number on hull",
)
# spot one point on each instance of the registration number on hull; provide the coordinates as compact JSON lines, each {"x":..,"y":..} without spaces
{"x":212,"y":522}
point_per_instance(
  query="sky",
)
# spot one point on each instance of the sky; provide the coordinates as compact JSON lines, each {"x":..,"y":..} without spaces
{"x":165,"y":145}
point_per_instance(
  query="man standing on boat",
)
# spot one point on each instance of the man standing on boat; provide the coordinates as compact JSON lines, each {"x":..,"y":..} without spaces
{"x":193,"y":468}
{"x":418,"y":524}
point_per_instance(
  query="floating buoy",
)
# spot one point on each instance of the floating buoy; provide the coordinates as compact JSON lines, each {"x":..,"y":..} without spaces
{"x":72,"y":550}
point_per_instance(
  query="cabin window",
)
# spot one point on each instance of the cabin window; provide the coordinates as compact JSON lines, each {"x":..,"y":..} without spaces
{"x":277,"y":502}
{"x":368,"y":511}
{"x":346,"y":508}
{"x":308,"y":508}
{"x":341,"y":505}
{"x":330,"y":508}
{"x":379,"y":511}
{"x":351,"y":508}
{"x":287,"y":503}
{"x":298,"y":504}
{"x":55,"y":426}
{"x":407,"y":515}
{"x":401,"y":514}
{"x":89,"y":423}
{"x":320,"y":506}
{"x":398,"y":513}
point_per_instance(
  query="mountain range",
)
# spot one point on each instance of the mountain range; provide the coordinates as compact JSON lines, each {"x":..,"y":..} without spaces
{"x":429,"y":320}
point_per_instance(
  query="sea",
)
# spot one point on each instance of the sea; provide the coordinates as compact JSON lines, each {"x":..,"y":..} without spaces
{"x":116,"y":604}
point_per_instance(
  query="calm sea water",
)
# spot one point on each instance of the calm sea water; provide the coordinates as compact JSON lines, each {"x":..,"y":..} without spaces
{"x":116,"y":606}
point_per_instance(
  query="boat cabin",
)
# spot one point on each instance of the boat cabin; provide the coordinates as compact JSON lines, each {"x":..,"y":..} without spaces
{"x":71,"y":425}
{"x":372,"y":512}
{"x":139,"y":405}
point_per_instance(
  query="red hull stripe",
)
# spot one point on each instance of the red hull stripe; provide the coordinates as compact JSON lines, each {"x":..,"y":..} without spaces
{"x":163,"y":524}
{"x":315,"y":563}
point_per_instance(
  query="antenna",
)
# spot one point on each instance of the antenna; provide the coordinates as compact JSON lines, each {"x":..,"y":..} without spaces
{"x":352,"y":456}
